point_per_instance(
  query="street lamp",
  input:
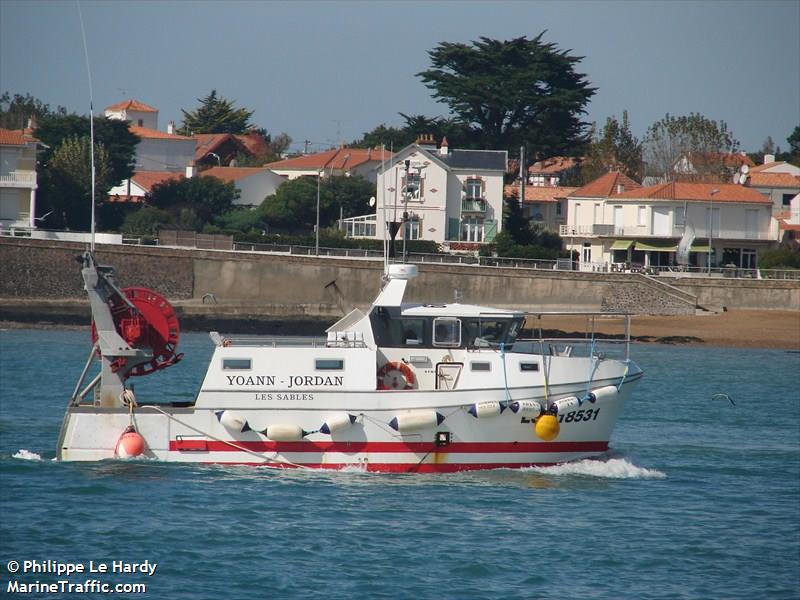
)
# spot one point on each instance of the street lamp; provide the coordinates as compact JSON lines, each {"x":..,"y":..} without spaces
{"x":316,"y":229}
{"x":711,"y":226}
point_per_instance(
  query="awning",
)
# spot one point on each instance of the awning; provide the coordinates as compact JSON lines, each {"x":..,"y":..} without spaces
{"x":703,"y":249}
{"x":621,"y":244}
{"x":657,"y":246}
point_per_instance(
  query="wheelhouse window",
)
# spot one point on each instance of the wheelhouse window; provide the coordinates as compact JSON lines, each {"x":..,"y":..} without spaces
{"x":236,"y":364}
{"x":329,"y":364}
{"x":447,"y":332}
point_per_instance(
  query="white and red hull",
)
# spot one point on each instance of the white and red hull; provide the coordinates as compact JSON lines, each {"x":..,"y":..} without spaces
{"x":195,"y":435}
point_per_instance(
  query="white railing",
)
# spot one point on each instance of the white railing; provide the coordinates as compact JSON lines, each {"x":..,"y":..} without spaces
{"x":18,"y":179}
{"x":603,"y":230}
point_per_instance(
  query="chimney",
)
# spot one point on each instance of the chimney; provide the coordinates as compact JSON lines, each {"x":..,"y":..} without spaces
{"x":191,"y":170}
{"x":32,"y":122}
{"x":171,"y":127}
{"x":769,"y":158}
{"x":443,"y":148}
{"x":426,"y":141}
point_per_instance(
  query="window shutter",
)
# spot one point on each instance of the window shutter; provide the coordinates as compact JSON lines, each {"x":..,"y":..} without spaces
{"x":490,"y":230}
{"x":453,"y":226}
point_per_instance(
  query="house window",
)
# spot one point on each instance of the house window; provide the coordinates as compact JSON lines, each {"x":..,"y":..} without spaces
{"x":536,"y":212}
{"x":474,"y":188}
{"x":412,"y":186}
{"x":472,"y":229}
{"x":642,"y":216}
{"x":787,"y":199}
{"x":558,"y":209}
{"x":587,"y":252}
{"x":680,"y":217}
{"x":140,"y":122}
{"x":412,"y":229}
{"x":537,"y":180}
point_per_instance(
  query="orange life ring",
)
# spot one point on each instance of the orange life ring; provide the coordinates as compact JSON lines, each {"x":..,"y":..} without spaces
{"x":395,"y":376}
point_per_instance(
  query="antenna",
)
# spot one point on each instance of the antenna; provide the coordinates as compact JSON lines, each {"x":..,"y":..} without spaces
{"x":745,"y":169}
{"x":91,"y":119}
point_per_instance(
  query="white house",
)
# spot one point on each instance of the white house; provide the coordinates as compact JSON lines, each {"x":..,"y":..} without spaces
{"x":254,"y":183}
{"x":780,"y":181}
{"x":363,"y":162}
{"x":138,"y":113}
{"x":544,"y":205}
{"x":17,"y":179}
{"x":142,"y":182}
{"x":449,"y":195}
{"x":156,"y":150}
{"x":643,"y":225}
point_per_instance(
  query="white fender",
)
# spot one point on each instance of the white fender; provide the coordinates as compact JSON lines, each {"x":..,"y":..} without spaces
{"x":565,"y":404}
{"x":487,"y":408}
{"x":526,"y":408}
{"x":413,"y":420}
{"x":232,"y":421}
{"x":337,"y":422}
{"x":603,"y":394}
{"x":284,"y":433}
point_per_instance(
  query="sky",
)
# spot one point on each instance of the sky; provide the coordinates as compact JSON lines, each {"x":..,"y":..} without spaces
{"x":329,"y":71}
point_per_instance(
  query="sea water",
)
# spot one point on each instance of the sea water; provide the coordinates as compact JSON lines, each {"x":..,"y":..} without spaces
{"x":699,"y":497}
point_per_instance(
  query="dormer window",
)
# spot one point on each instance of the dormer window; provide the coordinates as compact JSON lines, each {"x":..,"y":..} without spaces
{"x":620,"y":188}
{"x":474,"y":188}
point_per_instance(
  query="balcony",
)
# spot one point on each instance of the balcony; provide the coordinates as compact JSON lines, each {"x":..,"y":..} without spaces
{"x":18,"y":179}
{"x":473,"y":206}
{"x":595,"y":229}
{"x":600,"y":230}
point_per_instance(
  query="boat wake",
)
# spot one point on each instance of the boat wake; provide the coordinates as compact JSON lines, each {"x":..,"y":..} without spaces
{"x":23,"y":454}
{"x":612,"y":468}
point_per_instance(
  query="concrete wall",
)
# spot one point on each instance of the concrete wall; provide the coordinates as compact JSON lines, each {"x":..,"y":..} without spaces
{"x":293,"y":287}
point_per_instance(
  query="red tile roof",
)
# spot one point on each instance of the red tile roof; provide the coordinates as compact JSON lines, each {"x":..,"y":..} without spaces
{"x":155,"y":134}
{"x":211,"y":142}
{"x":255,"y":144}
{"x":534,"y":193}
{"x":15,"y":137}
{"x":556,"y":164}
{"x":338,"y":158}
{"x":147,"y":179}
{"x":715,"y":158}
{"x":698,"y":192}
{"x":782,"y":180}
{"x":232,"y":173}
{"x":132,"y":105}
{"x":605,"y":186}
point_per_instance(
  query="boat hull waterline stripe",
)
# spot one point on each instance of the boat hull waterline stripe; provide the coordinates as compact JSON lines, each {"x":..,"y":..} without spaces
{"x":393,"y":447}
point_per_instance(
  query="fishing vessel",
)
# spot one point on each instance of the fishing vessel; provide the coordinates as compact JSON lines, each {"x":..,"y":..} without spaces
{"x":397,"y":387}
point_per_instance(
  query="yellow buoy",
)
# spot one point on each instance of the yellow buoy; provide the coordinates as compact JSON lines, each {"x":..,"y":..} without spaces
{"x":547,"y":427}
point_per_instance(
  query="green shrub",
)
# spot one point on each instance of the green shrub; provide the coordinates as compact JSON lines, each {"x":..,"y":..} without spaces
{"x":782,"y":258}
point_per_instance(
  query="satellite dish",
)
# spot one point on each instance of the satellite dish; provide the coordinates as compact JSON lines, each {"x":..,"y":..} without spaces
{"x":745,"y":170}
{"x":743,"y":178}
{"x":372,"y":201}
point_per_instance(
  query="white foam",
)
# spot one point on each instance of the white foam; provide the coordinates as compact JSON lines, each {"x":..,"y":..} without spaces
{"x":612,"y":468}
{"x":26,"y":455}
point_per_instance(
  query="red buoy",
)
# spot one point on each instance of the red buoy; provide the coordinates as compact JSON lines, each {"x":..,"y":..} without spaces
{"x":129,"y":444}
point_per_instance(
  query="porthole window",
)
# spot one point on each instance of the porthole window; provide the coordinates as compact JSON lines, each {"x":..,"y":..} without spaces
{"x":329,"y":364}
{"x":528,"y":366}
{"x":481,"y":366}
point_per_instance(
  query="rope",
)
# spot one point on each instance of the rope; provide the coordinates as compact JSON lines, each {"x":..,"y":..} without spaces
{"x":591,"y":372}
{"x":505,"y":375}
{"x":624,"y":374}
{"x":231,"y":444}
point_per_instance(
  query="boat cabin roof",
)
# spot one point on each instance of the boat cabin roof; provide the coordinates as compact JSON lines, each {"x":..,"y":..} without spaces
{"x":455,"y":310}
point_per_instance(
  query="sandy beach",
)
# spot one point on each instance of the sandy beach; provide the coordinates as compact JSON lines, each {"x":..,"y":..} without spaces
{"x":735,"y":328}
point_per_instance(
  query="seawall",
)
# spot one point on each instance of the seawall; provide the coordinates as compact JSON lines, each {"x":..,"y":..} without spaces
{"x":40,"y":280}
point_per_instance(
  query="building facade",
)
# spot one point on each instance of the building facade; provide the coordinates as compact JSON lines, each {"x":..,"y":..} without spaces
{"x":634,"y":227}
{"x":442,"y":195}
{"x":18,"y":180}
